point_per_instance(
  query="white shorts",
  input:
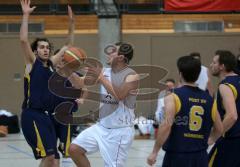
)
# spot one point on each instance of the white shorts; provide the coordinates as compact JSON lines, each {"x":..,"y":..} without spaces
{"x":113,"y":144}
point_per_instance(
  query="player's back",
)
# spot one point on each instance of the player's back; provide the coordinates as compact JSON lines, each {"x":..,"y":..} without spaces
{"x":193,"y":121}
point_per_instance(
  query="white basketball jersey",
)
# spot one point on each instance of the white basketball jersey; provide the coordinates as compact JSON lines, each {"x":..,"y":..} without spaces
{"x":203,"y":78}
{"x":114,"y":113}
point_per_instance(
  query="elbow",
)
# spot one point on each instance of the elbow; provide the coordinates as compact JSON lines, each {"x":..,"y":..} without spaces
{"x":234,"y":117}
{"x":23,"y":37}
{"x":231,"y":116}
{"x":117,"y":96}
{"x":120,"y":97}
{"x":23,"y":40}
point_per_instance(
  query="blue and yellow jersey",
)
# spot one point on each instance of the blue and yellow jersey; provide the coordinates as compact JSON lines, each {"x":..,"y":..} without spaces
{"x":36,"y":92}
{"x":59,"y":99}
{"x":234,"y":84}
{"x":195,"y":113}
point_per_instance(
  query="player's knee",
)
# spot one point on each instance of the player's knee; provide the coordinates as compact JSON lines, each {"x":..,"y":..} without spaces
{"x":74,"y":149}
{"x":50,"y":158}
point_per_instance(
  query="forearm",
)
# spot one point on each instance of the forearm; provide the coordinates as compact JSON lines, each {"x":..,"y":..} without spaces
{"x":228,"y":122}
{"x":214,"y":135}
{"x":76,"y":81}
{"x":109,"y":87}
{"x":24,"y":28}
{"x":58,"y":56}
{"x":71,"y":27}
{"x":83,"y":96}
{"x":163,"y":133}
{"x":84,"y":93}
{"x":129,"y":86}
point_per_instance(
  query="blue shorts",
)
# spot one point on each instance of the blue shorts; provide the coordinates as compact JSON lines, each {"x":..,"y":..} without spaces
{"x":225,"y":153}
{"x":39,"y":133}
{"x":191,"y":159}
{"x":64,"y":134}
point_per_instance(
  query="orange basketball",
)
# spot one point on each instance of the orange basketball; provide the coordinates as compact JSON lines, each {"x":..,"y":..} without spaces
{"x":74,"y":57}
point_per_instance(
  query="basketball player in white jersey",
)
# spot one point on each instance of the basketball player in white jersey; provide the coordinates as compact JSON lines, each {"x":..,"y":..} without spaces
{"x":114,"y":132}
{"x":203,"y":81}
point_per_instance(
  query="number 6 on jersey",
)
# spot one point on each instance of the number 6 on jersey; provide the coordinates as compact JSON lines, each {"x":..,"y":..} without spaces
{"x":195,"y":119}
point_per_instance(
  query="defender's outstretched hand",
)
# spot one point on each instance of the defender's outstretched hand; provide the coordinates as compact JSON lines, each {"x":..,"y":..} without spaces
{"x":26,"y":6}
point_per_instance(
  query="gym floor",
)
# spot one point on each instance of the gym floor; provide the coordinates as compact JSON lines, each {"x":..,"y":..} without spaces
{"x":14,"y":152}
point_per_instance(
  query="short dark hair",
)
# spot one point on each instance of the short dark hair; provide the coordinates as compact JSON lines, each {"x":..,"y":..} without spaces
{"x":189,"y":67}
{"x":170,"y":80}
{"x":196,"y":55}
{"x":228,"y":59}
{"x":125,"y":49}
{"x":34,"y":44}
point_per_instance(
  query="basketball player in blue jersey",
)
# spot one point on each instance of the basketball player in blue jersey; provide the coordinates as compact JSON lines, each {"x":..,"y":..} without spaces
{"x":64,"y":132}
{"x":190,"y":114}
{"x":114,"y":132}
{"x":36,"y":124}
{"x":226,"y":150}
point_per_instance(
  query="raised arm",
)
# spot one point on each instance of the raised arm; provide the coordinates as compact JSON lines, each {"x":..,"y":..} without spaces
{"x":70,"y":38}
{"x":71,"y":27}
{"x":29,"y":56}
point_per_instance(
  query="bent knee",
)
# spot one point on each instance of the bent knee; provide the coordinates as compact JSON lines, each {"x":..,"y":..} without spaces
{"x":50,"y":158}
{"x":75,"y":149}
